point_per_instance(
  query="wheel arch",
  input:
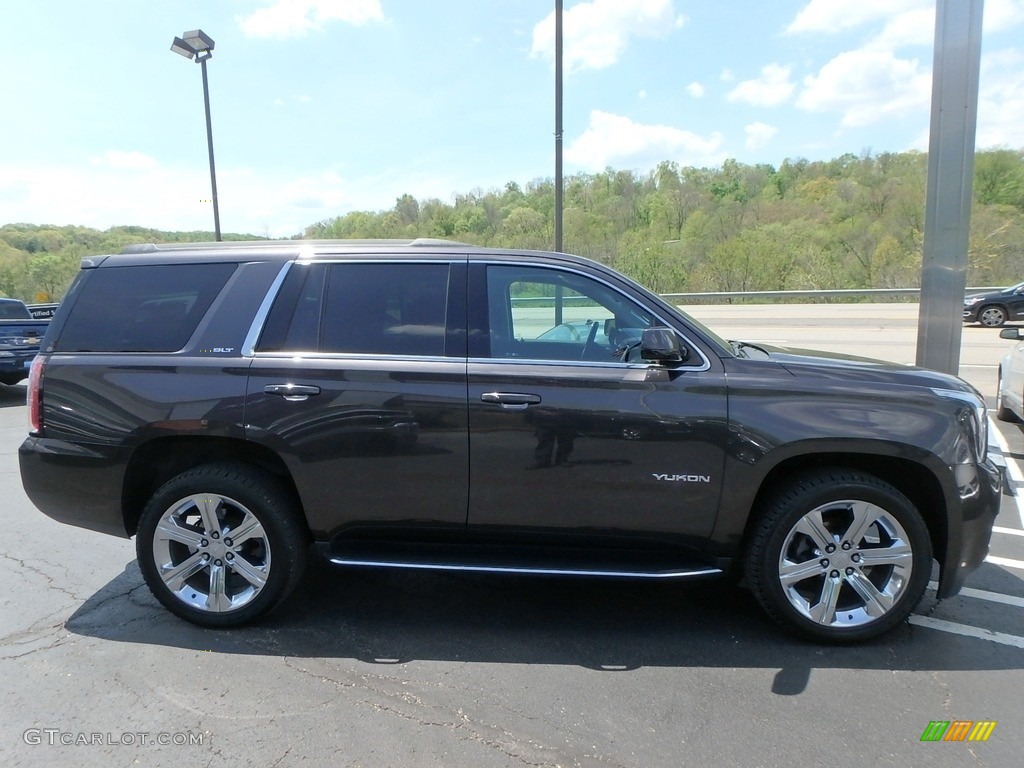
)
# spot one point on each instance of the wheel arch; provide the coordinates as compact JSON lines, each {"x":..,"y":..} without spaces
{"x":156,"y":461}
{"x":914,"y":480}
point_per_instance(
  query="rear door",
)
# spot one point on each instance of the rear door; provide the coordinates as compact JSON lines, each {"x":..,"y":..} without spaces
{"x":573,"y":440}
{"x":359,"y":383}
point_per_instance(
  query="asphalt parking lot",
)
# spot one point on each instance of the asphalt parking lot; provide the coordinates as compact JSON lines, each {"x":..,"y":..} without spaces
{"x":372,"y":668}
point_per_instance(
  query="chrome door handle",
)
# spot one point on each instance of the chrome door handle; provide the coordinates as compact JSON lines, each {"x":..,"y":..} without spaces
{"x":292,"y":392}
{"x":510,"y":401}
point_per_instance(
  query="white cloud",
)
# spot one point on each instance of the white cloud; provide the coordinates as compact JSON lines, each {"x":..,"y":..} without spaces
{"x":1001,"y":100}
{"x":642,"y":94}
{"x":1002,"y":14}
{"x":837,"y":15}
{"x":596,"y":33}
{"x":103,"y":195}
{"x":867,"y":86}
{"x":759,"y":134}
{"x":296,"y":18}
{"x":696,"y":90}
{"x":615,"y":140}
{"x":727,"y":75}
{"x":914,"y":27}
{"x":772,"y":88}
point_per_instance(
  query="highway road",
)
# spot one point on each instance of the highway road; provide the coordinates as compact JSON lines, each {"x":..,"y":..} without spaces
{"x":448,"y":670}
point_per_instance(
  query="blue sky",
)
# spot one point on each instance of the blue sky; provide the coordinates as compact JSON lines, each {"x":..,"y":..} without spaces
{"x":321,"y":107}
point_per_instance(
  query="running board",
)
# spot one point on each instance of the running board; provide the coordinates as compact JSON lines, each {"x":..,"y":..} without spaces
{"x":688,"y":573}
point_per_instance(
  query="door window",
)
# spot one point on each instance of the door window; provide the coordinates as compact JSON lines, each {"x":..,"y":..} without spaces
{"x":547,"y":314}
{"x":388,"y":309}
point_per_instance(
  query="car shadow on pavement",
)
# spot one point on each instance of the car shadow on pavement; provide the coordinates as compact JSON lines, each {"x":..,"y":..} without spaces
{"x":390,"y":617}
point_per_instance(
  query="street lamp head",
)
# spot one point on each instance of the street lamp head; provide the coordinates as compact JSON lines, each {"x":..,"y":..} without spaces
{"x":182,"y":48}
{"x":195,"y":43}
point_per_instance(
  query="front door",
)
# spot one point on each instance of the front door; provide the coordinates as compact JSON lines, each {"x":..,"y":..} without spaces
{"x":572,"y":440}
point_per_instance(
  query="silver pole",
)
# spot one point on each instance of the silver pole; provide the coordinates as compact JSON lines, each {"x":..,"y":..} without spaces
{"x":947,"y":215}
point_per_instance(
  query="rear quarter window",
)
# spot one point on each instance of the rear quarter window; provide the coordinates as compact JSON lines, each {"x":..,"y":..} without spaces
{"x":152,"y":308}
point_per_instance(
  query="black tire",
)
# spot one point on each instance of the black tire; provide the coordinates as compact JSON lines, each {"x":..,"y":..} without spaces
{"x":222,"y":581}
{"x":1002,"y":412}
{"x":815,"y":581}
{"x":992,"y":316}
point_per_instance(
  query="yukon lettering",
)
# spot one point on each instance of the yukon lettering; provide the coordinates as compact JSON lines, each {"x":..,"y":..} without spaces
{"x":682,"y":478}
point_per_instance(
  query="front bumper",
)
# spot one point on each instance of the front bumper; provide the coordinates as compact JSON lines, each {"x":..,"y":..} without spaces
{"x":967,"y":542}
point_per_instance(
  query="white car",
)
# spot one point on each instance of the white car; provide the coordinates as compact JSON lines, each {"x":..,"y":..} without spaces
{"x":1010,"y":387}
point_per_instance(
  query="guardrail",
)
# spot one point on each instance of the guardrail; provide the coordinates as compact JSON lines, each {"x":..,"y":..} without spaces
{"x":677,"y":298}
{"x":807,"y":294}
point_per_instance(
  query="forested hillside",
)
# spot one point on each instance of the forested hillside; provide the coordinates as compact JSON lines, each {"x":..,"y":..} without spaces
{"x":851,"y":222}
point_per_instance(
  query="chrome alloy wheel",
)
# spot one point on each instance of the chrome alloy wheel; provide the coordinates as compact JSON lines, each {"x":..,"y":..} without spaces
{"x":992,"y":316}
{"x":845,"y":563}
{"x":211,"y":552}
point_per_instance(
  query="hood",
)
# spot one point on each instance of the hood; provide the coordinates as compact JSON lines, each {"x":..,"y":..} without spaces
{"x":850,"y":368}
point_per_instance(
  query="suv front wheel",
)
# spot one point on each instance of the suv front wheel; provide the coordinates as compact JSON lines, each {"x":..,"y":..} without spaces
{"x":839,"y":556}
{"x":219,"y":545}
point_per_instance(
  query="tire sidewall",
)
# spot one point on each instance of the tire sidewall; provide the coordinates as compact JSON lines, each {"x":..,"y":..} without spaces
{"x":791,"y":506}
{"x":265,"y":501}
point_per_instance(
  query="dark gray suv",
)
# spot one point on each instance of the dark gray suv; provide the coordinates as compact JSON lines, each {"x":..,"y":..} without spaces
{"x":429,"y":404}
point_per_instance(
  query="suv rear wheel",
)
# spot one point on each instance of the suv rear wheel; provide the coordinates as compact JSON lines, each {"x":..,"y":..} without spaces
{"x":839,"y":556}
{"x":220,"y":545}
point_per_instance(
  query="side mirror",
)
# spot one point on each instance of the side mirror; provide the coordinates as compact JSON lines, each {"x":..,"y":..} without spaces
{"x":662,"y":345}
{"x":1010,"y":333}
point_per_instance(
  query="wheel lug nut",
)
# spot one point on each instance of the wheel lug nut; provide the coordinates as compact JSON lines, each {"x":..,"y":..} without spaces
{"x":830,"y":548}
{"x":206,"y":557}
{"x":215,"y":535}
{"x":204,"y":543}
{"x":834,"y":574}
{"x":218,"y":562}
{"x":824,"y":563}
{"x":846,"y":545}
{"x":228,"y":542}
{"x":231,"y":556}
{"x":856,"y":558}
{"x":849,"y":571}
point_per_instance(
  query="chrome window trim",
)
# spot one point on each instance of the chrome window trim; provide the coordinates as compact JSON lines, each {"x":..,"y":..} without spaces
{"x":360,"y":356}
{"x":305,"y":259}
{"x":705,"y":362}
{"x":256,"y":328}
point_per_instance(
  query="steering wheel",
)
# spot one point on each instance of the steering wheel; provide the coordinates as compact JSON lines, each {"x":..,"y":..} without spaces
{"x":589,"y":345}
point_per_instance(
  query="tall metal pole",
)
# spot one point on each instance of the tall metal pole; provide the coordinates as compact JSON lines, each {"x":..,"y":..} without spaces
{"x":947,"y":213}
{"x":558,"y":125}
{"x":209,"y":143}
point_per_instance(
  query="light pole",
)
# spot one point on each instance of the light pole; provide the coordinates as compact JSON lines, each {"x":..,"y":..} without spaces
{"x":199,"y":45}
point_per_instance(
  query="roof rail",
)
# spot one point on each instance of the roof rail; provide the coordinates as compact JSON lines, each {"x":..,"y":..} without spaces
{"x":419,"y":242}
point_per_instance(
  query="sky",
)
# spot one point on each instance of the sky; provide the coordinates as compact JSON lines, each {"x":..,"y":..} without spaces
{"x":321,"y":107}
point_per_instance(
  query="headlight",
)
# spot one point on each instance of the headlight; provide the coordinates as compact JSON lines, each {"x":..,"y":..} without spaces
{"x":971,"y":300}
{"x":977,"y":418}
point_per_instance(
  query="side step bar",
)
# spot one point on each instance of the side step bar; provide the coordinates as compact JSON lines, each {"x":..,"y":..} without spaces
{"x":672,"y":573}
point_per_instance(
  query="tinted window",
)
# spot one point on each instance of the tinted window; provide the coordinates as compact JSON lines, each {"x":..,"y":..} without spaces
{"x":391,"y":309}
{"x":142,"y":309}
{"x":13,"y":310}
{"x":547,"y":314}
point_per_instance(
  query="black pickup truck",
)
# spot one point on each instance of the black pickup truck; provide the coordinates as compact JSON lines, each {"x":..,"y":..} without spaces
{"x":20,"y":334}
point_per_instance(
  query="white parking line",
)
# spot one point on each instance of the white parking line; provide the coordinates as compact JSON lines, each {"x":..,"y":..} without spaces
{"x":967,"y":631}
{"x":1011,"y":466}
{"x":1007,"y":561}
{"x":1007,"y":531}
{"x":981,"y":594}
